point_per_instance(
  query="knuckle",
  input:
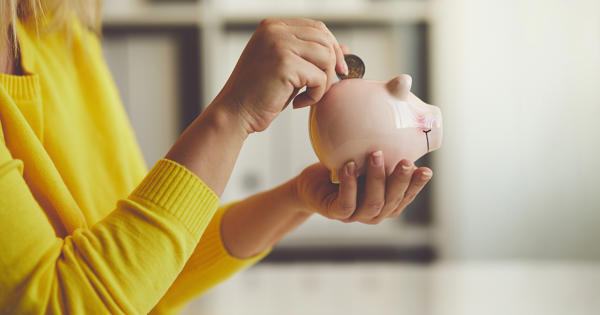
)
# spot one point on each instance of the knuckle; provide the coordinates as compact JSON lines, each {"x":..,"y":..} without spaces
{"x":320,"y":25}
{"x":285,"y":62}
{"x":325,"y":54}
{"x":370,"y":220}
{"x":410,"y":195}
{"x":380,"y":175}
{"x":332,"y":55}
{"x":376,"y":220}
{"x":266,"y":22}
{"x":328,"y":51}
{"x":312,"y":93}
{"x":280,"y":48}
{"x":346,"y":210}
{"x":375,"y":206}
{"x":394,"y":203}
{"x":273,"y":33}
{"x":323,"y":78}
{"x":402,"y":175}
{"x":315,"y":46}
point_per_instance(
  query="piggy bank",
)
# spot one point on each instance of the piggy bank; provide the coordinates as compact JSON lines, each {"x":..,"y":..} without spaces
{"x":357,"y":117}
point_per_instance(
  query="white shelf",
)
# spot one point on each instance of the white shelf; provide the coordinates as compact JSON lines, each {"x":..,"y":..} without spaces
{"x":386,"y":12}
{"x":156,"y":15}
{"x":379,"y":12}
{"x":322,"y":232}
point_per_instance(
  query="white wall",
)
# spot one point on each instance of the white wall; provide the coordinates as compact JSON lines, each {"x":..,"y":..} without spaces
{"x":519,"y":84}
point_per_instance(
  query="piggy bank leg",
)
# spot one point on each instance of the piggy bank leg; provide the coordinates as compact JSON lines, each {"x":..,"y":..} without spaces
{"x":334,"y":176}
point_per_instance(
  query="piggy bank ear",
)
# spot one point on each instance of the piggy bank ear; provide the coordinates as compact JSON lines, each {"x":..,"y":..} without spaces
{"x":400,"y":86}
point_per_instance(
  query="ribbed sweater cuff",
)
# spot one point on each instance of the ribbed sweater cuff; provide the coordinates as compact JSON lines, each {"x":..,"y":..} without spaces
{"x":174,"y":189}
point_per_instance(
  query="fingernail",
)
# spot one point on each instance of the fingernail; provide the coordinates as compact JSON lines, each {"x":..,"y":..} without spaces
{"x":345,"y":66}
{"x":377,"y":159}
{"x":406,"y":166}
{"x":426,"y":175}
{"x":350,"y":168}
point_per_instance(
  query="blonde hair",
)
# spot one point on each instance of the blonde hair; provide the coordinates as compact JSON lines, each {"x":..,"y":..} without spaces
{"x":55,"y":12}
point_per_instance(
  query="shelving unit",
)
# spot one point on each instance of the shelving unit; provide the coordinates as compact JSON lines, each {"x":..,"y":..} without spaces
{"x":211,"y":17}
{"x":505,"y":242}
{"x":208,"y":37}
{"x":186,"y":14}
{"x":219,"y":13}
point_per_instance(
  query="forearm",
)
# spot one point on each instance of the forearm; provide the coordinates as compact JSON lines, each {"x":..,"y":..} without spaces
{"x":260,"y":221}
{"x":210,"y":145}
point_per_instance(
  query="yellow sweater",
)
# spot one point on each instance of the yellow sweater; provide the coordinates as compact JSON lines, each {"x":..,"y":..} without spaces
{"x":84,"y":228}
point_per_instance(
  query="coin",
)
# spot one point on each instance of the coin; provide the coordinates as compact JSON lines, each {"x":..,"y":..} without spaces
{"x":356,"y":68}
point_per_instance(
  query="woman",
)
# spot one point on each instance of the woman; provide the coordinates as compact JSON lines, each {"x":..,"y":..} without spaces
{"x":86,"y":229}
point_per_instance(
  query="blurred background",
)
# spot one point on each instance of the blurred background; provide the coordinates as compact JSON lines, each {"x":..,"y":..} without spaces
{"x":510,"y":223}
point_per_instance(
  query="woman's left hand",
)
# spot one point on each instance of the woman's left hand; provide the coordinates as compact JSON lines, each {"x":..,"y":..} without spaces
{"x":369,"y":199}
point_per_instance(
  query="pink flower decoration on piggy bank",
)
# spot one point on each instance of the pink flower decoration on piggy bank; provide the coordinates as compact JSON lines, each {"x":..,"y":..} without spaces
{"x":357,"y":117}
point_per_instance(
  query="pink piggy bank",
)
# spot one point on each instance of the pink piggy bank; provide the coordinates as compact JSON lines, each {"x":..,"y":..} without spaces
{"x":357,"y":117}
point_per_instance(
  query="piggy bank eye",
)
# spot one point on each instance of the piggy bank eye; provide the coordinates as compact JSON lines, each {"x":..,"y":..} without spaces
{"x":426,"y":132}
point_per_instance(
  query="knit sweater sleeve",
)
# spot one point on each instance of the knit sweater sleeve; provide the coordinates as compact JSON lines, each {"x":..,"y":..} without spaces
{"x":209,"y":265}
{"x":123,"y":264}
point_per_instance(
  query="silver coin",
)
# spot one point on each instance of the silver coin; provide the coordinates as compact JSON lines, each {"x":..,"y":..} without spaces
{"x":356,"y":68}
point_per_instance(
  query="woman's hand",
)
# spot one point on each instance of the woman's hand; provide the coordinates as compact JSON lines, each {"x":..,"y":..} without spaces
{"x":283,"y":56}
{"x":369,"y":199}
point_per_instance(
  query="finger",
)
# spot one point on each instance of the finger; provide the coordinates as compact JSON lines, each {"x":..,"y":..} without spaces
{"x":317,"y":184}
{"x":291,"y":98}
{"x":345,"y":203}
{"x":374,"y":198}
{"x":345,"y":49}
{"x":310,"y":97}
{"x":315,"y":35}
{"x":319,"y":55}
{"x":420,"y":178}
{"x":341,"y":66}
{"x":309,"y":75}
{"x":397,"y":184}
{"x":312,"y":34}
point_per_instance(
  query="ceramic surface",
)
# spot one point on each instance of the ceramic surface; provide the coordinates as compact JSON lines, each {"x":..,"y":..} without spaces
{"x":357,"y":117}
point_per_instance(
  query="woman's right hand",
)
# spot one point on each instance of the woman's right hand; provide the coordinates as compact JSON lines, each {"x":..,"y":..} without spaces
{"x":283,"y":56}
